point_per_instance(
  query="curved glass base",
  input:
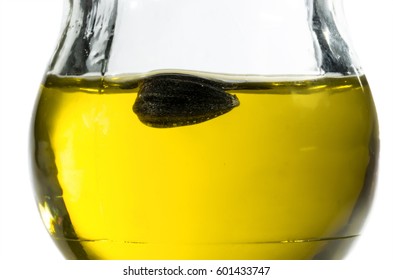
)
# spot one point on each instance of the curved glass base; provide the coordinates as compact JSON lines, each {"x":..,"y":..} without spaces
{"x":329,"y":248}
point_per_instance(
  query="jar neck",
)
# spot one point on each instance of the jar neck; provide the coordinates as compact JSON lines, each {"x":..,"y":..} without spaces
{"x":332,"y":50}
{"x":87,"y":37}
{"x":119,"y":36}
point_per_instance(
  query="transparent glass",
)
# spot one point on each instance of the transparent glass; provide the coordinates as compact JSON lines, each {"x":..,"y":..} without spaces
{"x":182,"y":129}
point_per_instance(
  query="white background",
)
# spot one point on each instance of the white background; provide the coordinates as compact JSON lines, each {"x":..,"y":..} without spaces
{"x":28,"y":34}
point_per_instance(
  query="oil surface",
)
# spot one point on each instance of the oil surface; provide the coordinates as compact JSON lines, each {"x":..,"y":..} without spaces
{"x":287,"y":174}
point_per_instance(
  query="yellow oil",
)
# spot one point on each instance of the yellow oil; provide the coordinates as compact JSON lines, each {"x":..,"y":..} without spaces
{"x":287,"y":174}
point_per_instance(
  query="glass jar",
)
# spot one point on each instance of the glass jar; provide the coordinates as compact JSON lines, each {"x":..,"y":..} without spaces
{"x":182,"y":129}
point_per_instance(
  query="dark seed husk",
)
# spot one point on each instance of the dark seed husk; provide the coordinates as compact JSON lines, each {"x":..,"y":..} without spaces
{"x":172,"y":100}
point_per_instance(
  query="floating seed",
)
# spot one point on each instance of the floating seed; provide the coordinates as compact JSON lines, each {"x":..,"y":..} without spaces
{"x":172,"y":100}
